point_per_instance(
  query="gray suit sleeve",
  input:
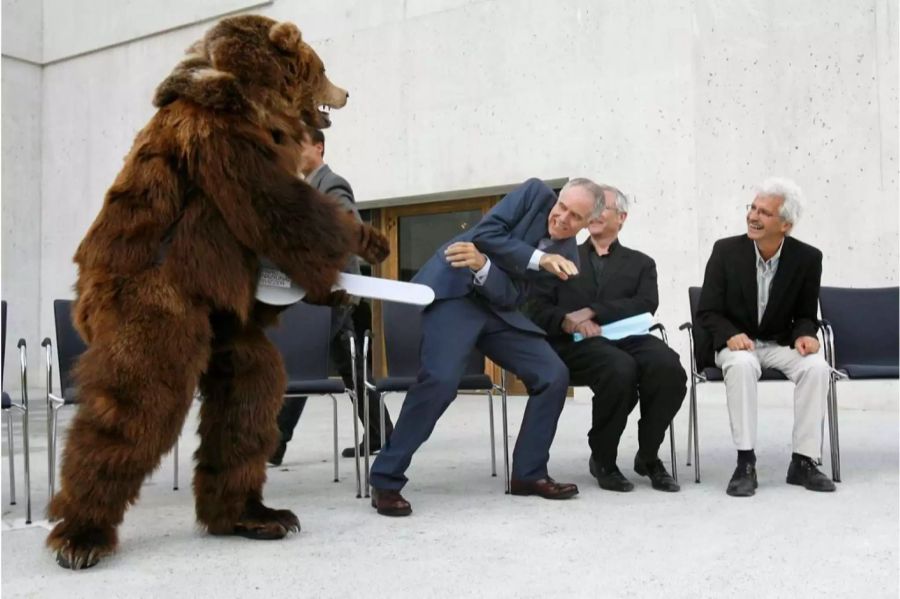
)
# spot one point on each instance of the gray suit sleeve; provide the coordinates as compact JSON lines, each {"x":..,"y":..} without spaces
{"x":338,"y":188}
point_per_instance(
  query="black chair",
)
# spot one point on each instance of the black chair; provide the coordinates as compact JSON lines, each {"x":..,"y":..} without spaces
{"x":706,"y":374}
{"x":860,"y":331}
{"x":69,"y":347}
{"x":8,"y":407}
{"x":303,"y":337}
{"x":402,"y":327}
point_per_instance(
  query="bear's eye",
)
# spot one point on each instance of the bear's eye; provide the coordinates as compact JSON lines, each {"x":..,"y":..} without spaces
{"x":278,"y":136}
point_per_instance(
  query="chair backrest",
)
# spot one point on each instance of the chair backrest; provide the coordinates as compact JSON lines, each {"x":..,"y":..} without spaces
{"x":865,"y":324}
{"x":303,"y":336}
{"x":403,"y":338}
{"x":69,"y":345}
{"x":703,"y":349}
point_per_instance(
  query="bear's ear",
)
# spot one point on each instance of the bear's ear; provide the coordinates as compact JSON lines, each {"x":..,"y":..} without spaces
{"x":286,"y":36}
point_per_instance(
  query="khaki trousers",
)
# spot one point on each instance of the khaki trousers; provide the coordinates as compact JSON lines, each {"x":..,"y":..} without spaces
{"x":809,"y":374}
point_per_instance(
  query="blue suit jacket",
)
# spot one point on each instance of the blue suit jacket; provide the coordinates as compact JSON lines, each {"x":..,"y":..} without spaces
{"x":508,"y":235}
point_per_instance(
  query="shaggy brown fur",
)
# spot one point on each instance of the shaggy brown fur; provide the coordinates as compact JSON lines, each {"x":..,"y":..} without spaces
{"x":167,"y":275}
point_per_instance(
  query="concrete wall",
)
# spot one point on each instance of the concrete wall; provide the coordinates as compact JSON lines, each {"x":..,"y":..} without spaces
{"x":72,"y":28}
{"x":682,"y":104}
{"x":21,"y":177}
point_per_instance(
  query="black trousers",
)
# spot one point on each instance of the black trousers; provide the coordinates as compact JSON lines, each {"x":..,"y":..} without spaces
{"x":292,"y":409}
{"x":621,"y":373}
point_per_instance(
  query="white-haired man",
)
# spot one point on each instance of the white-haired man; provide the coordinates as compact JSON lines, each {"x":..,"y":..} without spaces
{"x":758,"y":305}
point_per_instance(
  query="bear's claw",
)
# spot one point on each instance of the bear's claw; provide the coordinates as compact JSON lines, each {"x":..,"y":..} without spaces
{"x":71,"y":558}
{"x":264,"y":523}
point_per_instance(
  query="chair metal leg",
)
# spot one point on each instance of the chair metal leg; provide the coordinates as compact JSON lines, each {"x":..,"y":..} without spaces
{"x":175,"y":463}
{"x":672,"y":449}
{"x":335,"y":436}
{"x":493,"y":450}
{"x":505,"y":423}
{"x":54,"y":427}
{"x":26,"y":449}
{"x":366,"y":442}
{"x":23,"y":382}
{"x":355,"y":401}
{"x":381,"y":415}
{"x":694,"y":419}
{"x":50,"y":448}
{"x":832,"y":404}
{"x":833,"y":431}
{"x":12,"y":466}
{"x":690,"y":431}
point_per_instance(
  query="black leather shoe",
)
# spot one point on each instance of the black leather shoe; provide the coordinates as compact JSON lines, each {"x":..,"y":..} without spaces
{"x":660,"y":479}
{"x":803,"y":471}
{"x":389,"y":502}
{"x":348,"y":452}
{"x":544,"y":487}
{"x":743,"y":482}
{"x":275,"y":458}
{"x":609,"y":477}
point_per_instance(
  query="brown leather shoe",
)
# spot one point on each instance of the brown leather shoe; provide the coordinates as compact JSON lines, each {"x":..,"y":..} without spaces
{"x":389,"y":502}
{"x":545,"y":487}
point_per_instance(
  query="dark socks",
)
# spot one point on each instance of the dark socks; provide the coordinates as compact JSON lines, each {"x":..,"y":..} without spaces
{"x":746,"y":456}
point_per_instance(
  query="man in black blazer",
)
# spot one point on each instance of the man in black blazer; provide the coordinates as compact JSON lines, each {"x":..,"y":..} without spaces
{"x":616,"y":282}
{"x":758,"y":308}
{"x":351,"y":317}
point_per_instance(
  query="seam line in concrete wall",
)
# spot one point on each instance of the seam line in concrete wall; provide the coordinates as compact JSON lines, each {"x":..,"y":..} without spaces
{"x":456,"y":194}
{"x":22,"y":60}
{"x":150,"y":35}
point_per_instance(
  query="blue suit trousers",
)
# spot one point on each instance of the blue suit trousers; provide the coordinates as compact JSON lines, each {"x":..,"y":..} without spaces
{"x":451,"y":328}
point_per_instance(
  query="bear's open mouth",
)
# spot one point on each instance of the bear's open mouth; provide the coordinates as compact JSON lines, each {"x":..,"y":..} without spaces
{"x":325,"y":114}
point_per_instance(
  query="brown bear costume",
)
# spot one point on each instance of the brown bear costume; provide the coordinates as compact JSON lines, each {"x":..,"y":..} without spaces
{"x":167,"y":276}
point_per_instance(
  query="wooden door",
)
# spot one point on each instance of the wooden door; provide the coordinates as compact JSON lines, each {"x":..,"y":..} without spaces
{"x":415,"y":232}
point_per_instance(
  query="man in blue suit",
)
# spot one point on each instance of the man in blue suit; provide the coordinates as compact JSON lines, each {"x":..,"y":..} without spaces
{"x":479,"y":278}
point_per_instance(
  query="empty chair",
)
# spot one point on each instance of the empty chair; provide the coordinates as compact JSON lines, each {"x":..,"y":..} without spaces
{"x":303,"y":337}
{"x":402,"y":329}
{"x":69,"y":347}
{"x":8,"y":407}
{"x":860,"y":328}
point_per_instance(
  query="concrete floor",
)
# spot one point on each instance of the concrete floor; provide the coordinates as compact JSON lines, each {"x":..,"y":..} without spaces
{"x":466,"y":538}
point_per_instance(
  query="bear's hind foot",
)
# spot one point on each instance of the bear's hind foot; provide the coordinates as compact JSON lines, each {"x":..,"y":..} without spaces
{"x":81,"y":548}
{"x":264,"y":523}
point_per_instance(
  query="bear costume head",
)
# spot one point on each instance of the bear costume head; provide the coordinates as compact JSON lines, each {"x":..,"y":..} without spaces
{"x":257,"y":64}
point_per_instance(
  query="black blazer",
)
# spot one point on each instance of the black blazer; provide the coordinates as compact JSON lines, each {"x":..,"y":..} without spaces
{"x":627,"y":287}
{"x":728,"y":299}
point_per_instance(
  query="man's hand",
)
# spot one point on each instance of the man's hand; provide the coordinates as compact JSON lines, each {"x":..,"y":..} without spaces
{"x":559,"y":266}
{"x":739,"y":342}
{"x":573,"y":319}
{"x":588,"y":328}
{"x":806,"y":345}
{"x":464,"y":254}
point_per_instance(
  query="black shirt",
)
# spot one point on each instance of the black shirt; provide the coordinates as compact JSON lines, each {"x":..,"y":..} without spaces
{"x":598,"y":263}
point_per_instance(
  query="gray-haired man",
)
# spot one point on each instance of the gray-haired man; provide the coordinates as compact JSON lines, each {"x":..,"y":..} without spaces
{"x":758,"y":305}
